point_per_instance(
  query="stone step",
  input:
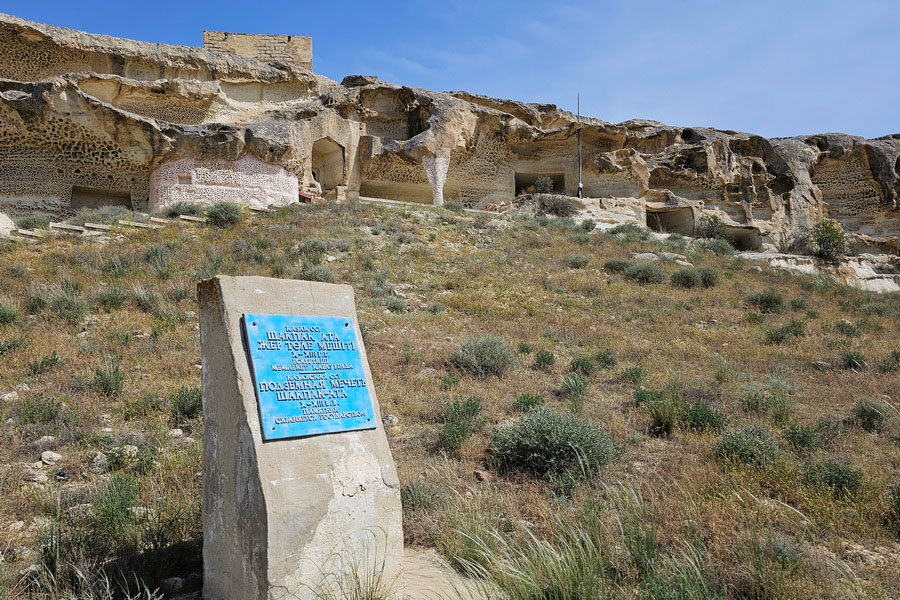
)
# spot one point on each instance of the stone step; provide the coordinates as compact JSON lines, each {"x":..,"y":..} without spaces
{"x":98,"y":227}
{"x":258,"y":209}
{"x":138,"y":225}
{"x":191,"y":219}
{"x":67,"y":228}
{"x":31,"y":233}
{"x":160,"y":220}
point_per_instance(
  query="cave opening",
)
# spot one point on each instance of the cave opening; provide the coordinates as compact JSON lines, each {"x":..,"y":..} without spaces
{"x":525,"y":182}
{"x":328,"y":163}
{"x":744,"y":238}
{"x":671,"y":220}
{"x":88,"y":197}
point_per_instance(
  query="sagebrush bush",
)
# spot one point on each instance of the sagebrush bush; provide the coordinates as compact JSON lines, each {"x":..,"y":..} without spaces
{"x":108,"y":377}
{"x":847,"y":328}
{"x":224,"y":214}
{"x":644,"y":273}
{"x":839,"y":477}
{"x":395,"y":304}
{"x":828,"y":241}
{"x":46,"y":364}
{"x":894,"y":501}
{"x":68,"y":304}
{"x":316,"y":273}
{"x":186,"y":403}
{"x":747,"y":444}
{"x":527,"y":402}
{"x":39,"y":408}
{"x":854,"y":360}
{"x":710,"y":227}
{"x":779,"y":335}
{"x":112,"y":298}
{"x":605,"y":359}
{"x":719,"y":247}
{"x":183,"y":208}
{"x":699,"y":416}
{"x":483,"y":356}
{"x":577,"y":261}
{"x":461,"y":418}
{"x":768,"y":301}
{"x":583,"y":365}
{"x":871,"y":415}
{"x":12,"y":344}
{"x":545,"y":442}
{"x":588,"y":225}
{"x":544,"y":359}
{"x":686,"y":278}
{"x":34,"y":221}
{"x":557,"y":205}
{"x":891,"y":363}
{"x":420,"y":494}
{"x":808,"y":438}
{"x":709,"y":277}
{"x":630,"y":233}
{"x":525,"y":348}
{"x":617,"y":265}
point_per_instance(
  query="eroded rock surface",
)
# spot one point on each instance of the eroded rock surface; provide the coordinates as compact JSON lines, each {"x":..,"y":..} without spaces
{"x":89,"y":119}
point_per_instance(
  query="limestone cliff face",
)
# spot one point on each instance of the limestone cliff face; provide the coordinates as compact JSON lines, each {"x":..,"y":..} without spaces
{"x":86,"y":117}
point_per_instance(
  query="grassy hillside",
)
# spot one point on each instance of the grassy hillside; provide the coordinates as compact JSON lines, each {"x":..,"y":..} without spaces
{"x":569,"y":423}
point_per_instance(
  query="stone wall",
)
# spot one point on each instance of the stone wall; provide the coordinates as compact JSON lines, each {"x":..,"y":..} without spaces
{"x":295,"y":49}
{"x":247,"y":181}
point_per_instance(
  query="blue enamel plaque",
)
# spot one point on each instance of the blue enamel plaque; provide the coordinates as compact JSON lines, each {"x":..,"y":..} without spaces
{"x":308,"y":375}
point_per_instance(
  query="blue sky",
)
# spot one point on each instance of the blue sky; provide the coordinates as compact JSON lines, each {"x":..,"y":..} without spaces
{"x":781,"y":68}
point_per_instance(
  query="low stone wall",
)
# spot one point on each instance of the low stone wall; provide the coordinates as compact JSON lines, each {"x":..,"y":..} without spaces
{"x":248,"y":181}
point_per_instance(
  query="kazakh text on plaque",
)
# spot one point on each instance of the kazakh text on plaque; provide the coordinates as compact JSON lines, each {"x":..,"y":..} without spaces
{"x":308,"y":375}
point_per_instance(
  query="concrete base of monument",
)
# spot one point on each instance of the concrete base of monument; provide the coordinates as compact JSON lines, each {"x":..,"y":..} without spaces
{"x":426,"y":576}
{"x":284,"y":517}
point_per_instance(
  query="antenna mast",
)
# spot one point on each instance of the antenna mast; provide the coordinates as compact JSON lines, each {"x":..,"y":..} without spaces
{"x":578,"y":121}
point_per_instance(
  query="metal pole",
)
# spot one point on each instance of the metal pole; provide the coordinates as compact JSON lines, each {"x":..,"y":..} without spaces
{"x":578,"y":121}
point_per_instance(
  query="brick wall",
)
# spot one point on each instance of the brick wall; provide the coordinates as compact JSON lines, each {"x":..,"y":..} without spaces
{"x":296,"y":49}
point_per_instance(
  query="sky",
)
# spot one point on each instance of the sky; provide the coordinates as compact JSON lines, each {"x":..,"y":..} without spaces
{"x":774,"y":68}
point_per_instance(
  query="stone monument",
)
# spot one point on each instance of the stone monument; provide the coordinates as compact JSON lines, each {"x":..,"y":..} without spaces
{"x":299,"y":487}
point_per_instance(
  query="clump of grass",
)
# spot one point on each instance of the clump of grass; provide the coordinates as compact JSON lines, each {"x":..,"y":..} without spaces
{"x":545,"y":442}
{"x":186,"y":403}
{"x":461,"y":419}
{"x":46,"y":364}
{"x":39,"y":408}
{"x":108,"y":377}
{"x":12,"y":344}
{"x":634,"y":374}
{"x":9,"y":312}
{"x":583,"y":365}
{"x":525,"y":348}
{"x":686,"y":278}
{"x":894,"y":501}
{"x":871,"y":415}
{"x":420,"y":494}
{"x":112,"y":298}
{"x":111,"y":506}
{"x":224,"y":214}
{"x":117,"y":265}
{"x":666,"y":407}
{"x":544,"y":359}
{"x":34,"y":221}
{"x":483,"y":356}
{"x":395,"y":304}
{"x":316,"y":273}
{"x":768,"y":301}
{"x":177,"y":209}
{"x":644,"y":273}
{"x":525,"y":402}
{"x":630,"y":233}
{"x":573,"y":388}
{"x":845,"y":327}
{"x":779,"y":335}
{"x":775,"y":399}
{"x":588,"y":225}
{"x":605,"y":359}
{"x":747,"y":444}
{"x":891,"y":363}
{"x":577,"y":261}
{"x":854,"y":360}
{"x":146,"y":298}
{"x":838,"y":477}
{"x":699,"y":416}
{"x":68,"y":304}
{"x":37,"y":299}
{"x":617,"y":265}
{"x":719,"y":247}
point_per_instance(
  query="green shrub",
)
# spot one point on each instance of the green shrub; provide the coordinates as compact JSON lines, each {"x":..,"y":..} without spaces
{"x":577,"y":261}
{"x":395,"y":304}
{"x":774,"y":400}
{"x":828,"y":241}
{"x":800,"y":304}
{"x":894,"y":500}
{"x":525,"y":348}
{"x":545,"y":442}
{"x":108,"y":377}
{"x":461,"y":419}
{"x":527,"y":402}
{"x":12,"y":344}
{"x":316,"y":273}
{"x":177,"y":209}
{"x":45,"y":365}
{"x":891,"y":363}
{"x":483,"y":356}
{"x":854,"y":360}
{"x":839,"y":477}
{"x":104,"y":214}
{"x":40,"y":408}
{"x":117,"y":266}
{"x":557,"y":205}
{"x":588,"y":225}
{"x":187,"y":404}
{"x":617,"y":265}
{"x":630,"y":232}
{"x":146,"y":298}
{"x":644,"y":273}
{"x":583,"y":365}
{"x":312,"y":247}
{"x":709,"y":277}
{"x":574,"y":385}
{"x":780,"y":334}
{"x":634,"y":374}
{"x":112,"y":298}
{"x":871,"y":415}
{"x":224,"y":214}
{"x":68,"y":304}
{"x":719,"y":247}
{"x":605,"y":359}
{"x":544,"y":359}
{"x":686,"y":278}
{"x":710,"y":227}
{"x":847,"y":328}
{"x":419,"y":494}
{"x":34,"y":221}
{"x":768,"y":301}
{"x":699,"y":416}
{"x":748,"y":444}
{"x":807,"y":438}
{"x":38,"y":299}
{"x":580,"y":238}
{"x":9,"y":312}
{"x":111,"y":506}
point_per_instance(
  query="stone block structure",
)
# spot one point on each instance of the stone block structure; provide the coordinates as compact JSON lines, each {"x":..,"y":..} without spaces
{"x":295,"y":49}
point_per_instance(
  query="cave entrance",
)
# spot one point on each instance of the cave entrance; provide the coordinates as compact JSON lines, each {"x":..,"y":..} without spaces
{"x":744,"y":238}
{"x":525,"y":182}
{"x":671,"y":220}
{"x":328,"y":163}
{"x":88,"y":197}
